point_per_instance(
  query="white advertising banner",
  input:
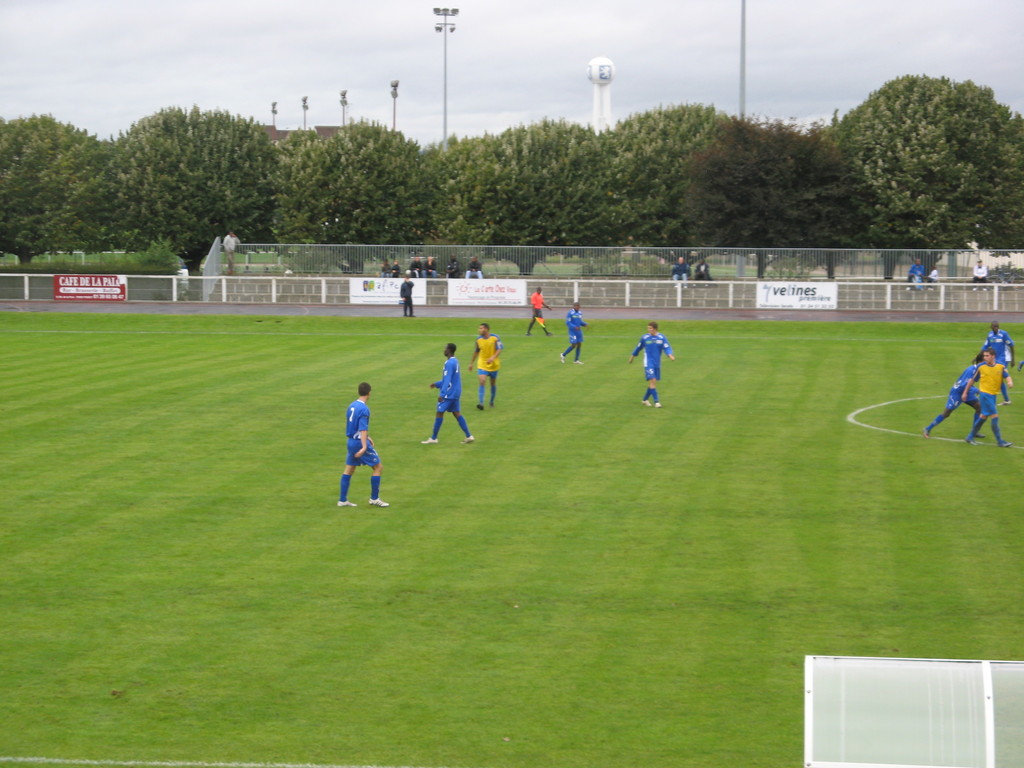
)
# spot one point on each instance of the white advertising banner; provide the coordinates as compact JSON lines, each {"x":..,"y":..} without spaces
{"x":482,"y":293}
{"x":90,"y":287}
{"x":782,"y":295}
{"x":384,"y":290}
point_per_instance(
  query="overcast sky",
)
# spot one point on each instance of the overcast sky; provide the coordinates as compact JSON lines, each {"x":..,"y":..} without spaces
{"x":102,"y":65}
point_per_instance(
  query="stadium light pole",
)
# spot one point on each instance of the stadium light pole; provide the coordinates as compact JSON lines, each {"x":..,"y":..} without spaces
{"x":743,"y":59}
{"x":305,"y":109}
{"x":445,"y":27}
{"x":394,"y":104}
{"x":344,"y":106}
{"x":273,"y":118}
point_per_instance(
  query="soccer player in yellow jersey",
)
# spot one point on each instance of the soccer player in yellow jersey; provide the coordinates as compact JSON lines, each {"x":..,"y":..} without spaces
{"x":989,"y":379}
{"x":487,"y":351}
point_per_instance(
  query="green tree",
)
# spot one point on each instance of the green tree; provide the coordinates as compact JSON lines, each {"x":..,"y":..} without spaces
{"x":937,"y":164}
{"x":50,"y":187}
{"x":647,"y":159}
{"x":366,"y":184}
{"x":188,"y":177}
{"x":531,"y":185}
{"x":770,"y":185}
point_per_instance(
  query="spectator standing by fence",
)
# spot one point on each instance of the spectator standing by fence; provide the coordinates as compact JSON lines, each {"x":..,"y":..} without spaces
{"x":231,"y":243}
{"x":405,"y":291}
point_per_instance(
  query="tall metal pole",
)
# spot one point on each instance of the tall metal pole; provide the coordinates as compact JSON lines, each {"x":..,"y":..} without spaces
{"x":445,"y":27}
{"x":743,"y":59}
{"x":394,"y":104}
{"x":444,"y":135}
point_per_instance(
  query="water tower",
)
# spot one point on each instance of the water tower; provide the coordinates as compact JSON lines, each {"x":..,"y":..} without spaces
{"x":601,"y":72}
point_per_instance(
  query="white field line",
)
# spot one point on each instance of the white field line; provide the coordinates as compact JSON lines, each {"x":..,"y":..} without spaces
{"x":852,"y":418}
{"x":174,"y":763}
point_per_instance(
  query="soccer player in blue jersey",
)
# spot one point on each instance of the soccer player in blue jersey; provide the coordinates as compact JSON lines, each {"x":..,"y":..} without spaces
{"x":488,"y":349}
{"x":574,"y":322}
{"x":1000,"y":343}
{"x":654,"y":345}
{"x":449,"y":391}
{"x":964,"y":381}
{"x":360,"y":449}
{"x":989,"y":377}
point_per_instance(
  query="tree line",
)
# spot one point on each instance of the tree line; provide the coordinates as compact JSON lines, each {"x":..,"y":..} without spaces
{"x":923,"y":163}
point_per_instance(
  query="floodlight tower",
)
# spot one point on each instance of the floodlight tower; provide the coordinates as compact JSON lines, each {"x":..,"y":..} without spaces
{"x":445,"y":27}
{"x":601,"y":72}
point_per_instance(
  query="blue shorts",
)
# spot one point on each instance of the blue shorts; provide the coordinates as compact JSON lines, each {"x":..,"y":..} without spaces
{"x":491,"y":374}
{"x":451,"y":406}
{"x":652,"y":373}
{"x":368,"y":459}
{"x":988,"y":404}
{"x":954,"y":401}
{"x":575,"y":337}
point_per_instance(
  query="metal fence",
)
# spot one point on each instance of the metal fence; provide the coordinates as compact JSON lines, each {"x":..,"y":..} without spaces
{"x":628,"y":262}
{"x":949,"y":296}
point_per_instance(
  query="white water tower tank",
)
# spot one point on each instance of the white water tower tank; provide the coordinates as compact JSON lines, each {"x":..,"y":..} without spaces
{"x":601,"y":72}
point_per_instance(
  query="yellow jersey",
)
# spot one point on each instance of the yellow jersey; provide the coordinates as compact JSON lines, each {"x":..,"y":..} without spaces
{"x":990,"y":378}
{"x":488,"y":347}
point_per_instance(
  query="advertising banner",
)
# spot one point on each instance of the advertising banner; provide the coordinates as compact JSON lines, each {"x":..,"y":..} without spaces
{"x":797,"y":295}
{"x":384,"y":290}
{"x":90,"y":287}
{"x":482,"y":293}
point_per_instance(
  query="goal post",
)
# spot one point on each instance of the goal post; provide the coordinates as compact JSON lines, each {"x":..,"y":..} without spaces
{"x":912,"y":713}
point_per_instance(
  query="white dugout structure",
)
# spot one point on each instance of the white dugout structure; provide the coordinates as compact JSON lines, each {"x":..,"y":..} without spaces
{"x":913,"y":713}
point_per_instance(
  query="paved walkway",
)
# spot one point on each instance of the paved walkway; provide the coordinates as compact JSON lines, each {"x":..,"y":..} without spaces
{"x":443,"y":310}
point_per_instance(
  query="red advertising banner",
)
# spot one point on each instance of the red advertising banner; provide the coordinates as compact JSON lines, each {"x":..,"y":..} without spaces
{"x":90,"y":287}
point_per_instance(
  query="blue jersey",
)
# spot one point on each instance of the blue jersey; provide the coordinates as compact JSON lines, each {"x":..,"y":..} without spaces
{"x":964,"y":380}
{"x":574,"y":320}
{"x":653,"y":346}
{"x":358,"y":420}
{"x":450,"y":385}
{"x":999,"y":342}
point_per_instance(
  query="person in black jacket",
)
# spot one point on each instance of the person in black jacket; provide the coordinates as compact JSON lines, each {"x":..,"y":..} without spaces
{"x":452,"y":270}
{"x":405,"y":291}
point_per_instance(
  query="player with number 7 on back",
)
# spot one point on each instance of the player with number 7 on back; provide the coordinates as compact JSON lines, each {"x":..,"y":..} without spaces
{"x":360,"y":449}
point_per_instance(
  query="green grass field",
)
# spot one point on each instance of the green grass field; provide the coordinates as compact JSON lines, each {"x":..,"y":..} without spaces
{"x":592,"y":584}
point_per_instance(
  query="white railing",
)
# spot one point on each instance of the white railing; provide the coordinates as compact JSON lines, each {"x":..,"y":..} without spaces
{"x":891,"y":295}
